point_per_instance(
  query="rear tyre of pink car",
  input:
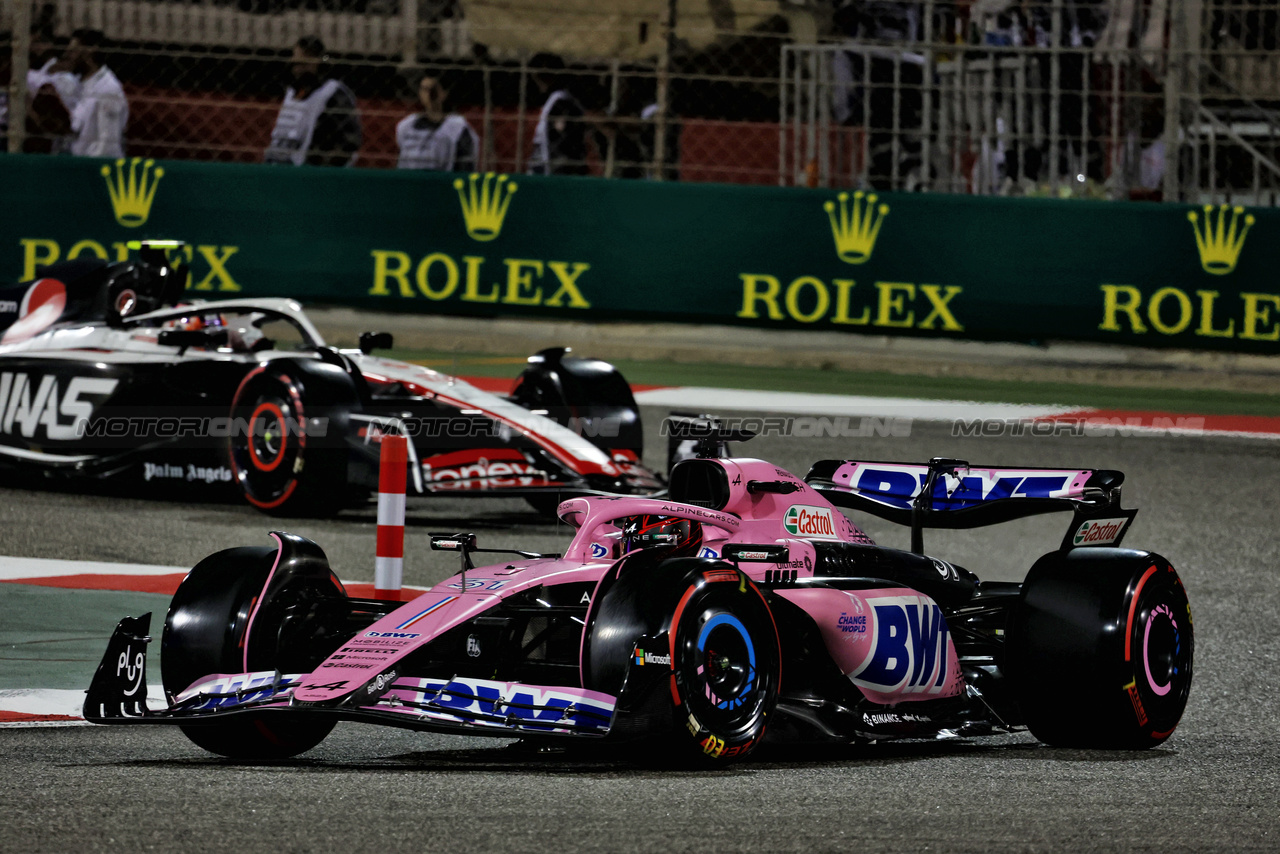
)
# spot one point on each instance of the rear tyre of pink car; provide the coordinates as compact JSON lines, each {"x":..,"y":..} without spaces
{"x":206,"y":631}
{"x":1100,"y":649}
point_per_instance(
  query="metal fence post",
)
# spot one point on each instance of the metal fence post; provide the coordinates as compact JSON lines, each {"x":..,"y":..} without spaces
{"x":20,"y":44}
{"x":409,"y":36}
{"x":782,"y":115}
{"x":668,"y":27}
{"x":520,"y":111}
{"x":1173,"y":81}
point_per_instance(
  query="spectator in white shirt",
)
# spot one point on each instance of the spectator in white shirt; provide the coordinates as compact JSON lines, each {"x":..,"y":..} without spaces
{"x":100,"y":114}
{"x":52,"y":92}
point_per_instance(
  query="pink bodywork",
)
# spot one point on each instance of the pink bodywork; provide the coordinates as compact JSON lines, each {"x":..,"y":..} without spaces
{"x":790,"y":520}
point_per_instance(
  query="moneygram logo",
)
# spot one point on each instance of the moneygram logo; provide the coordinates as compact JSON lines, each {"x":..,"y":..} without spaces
{"x":484,"y":199}
{"x":133,"y":190}
{"x":1099,"y":532}
{"x":804,"y":521}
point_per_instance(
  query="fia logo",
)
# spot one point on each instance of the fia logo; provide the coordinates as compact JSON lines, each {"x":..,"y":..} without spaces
{"x":473,"y":646}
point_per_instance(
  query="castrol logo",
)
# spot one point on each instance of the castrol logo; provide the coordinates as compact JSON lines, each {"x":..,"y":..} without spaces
{"x":805,"y":521}
{"x":1099,"y":532}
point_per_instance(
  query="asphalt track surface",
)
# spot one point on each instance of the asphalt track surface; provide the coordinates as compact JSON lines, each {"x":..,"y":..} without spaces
{"x":1208,"y":504}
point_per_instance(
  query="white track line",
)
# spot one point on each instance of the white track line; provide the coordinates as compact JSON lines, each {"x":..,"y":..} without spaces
{"x":38,"y":567}
{"x":806,"y":403}
{"x":57,"y":701}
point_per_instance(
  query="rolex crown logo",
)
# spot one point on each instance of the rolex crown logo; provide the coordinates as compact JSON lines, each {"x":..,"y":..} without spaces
{"x":484,"y":199}
{"x":1220,"y":242}
{"x":132,"y":190}
{"x":855,"y":227}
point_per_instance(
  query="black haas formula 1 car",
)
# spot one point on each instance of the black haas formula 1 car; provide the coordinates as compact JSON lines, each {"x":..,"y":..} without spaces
{"x":104,"y":375}
{"x":744,"y":607}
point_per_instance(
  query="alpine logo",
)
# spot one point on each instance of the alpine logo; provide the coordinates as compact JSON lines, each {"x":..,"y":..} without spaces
{"x":1099,"y":532}
{"x":910,"y":649}
{"x":29,"y":403}
{"x":805,"y":521}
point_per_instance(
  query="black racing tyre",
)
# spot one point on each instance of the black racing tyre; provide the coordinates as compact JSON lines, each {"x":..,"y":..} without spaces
{"x":588,"y":396}
{"x":721,"y":665}
{"x":279,"y":468}
{"x":726,"y":666}
{"x":205,"y":632}
{"x":1100,"y":649}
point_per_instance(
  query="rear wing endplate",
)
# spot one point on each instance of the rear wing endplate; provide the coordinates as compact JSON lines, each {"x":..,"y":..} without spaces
{"x":952,"y":494}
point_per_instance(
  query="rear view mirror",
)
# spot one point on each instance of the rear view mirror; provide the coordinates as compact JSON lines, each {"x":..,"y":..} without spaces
{"x":370,"y":341}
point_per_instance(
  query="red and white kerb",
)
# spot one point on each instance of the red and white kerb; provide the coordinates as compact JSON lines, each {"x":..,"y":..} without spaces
{"x":388,"y":573}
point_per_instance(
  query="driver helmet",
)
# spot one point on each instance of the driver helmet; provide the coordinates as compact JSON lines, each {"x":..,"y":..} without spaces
{"x":645,"y":531}
{"x":194,"y":322}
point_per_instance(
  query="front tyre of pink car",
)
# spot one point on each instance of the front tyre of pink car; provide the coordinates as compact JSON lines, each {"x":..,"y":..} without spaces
{"x":207,"y":631}
{"x":725,"y":667}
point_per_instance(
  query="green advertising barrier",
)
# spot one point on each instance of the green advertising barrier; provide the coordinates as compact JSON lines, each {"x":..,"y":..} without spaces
{"x":941,"y":265}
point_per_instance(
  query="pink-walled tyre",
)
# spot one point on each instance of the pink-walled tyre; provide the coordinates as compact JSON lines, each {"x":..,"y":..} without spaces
{"x":206,"y":631}
{"x":691,"y":647}
{"x":1100,"y":649}
{"x":725,"y":666}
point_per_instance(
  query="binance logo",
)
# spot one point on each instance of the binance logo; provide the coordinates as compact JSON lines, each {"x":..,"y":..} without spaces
{"x":1218,"y":240}
{"x":132,"y":191}
{"x":484,"y":199}
{"x":856,"y":226}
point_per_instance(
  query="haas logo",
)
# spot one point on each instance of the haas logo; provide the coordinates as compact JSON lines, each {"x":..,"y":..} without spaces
{"x":30,"y":403}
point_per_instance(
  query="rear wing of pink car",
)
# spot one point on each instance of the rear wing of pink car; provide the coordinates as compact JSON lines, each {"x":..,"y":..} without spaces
{"x":951,"y":494}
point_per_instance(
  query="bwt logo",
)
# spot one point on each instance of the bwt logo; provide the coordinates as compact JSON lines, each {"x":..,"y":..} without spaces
{"x":528,"y":706}
{"x":898,"y":486}
{"x":909,"y":654}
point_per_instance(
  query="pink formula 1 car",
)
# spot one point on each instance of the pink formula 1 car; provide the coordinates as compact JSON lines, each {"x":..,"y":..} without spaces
{"x":745,"y":607}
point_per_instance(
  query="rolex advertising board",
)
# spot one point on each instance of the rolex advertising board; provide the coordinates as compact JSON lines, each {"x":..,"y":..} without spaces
{"x":917,"y":264}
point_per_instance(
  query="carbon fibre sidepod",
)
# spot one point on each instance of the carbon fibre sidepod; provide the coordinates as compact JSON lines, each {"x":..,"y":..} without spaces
{"x":587,"y":395}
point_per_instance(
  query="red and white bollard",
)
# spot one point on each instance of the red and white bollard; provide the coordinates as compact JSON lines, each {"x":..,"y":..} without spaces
{"x":388,"y":572}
